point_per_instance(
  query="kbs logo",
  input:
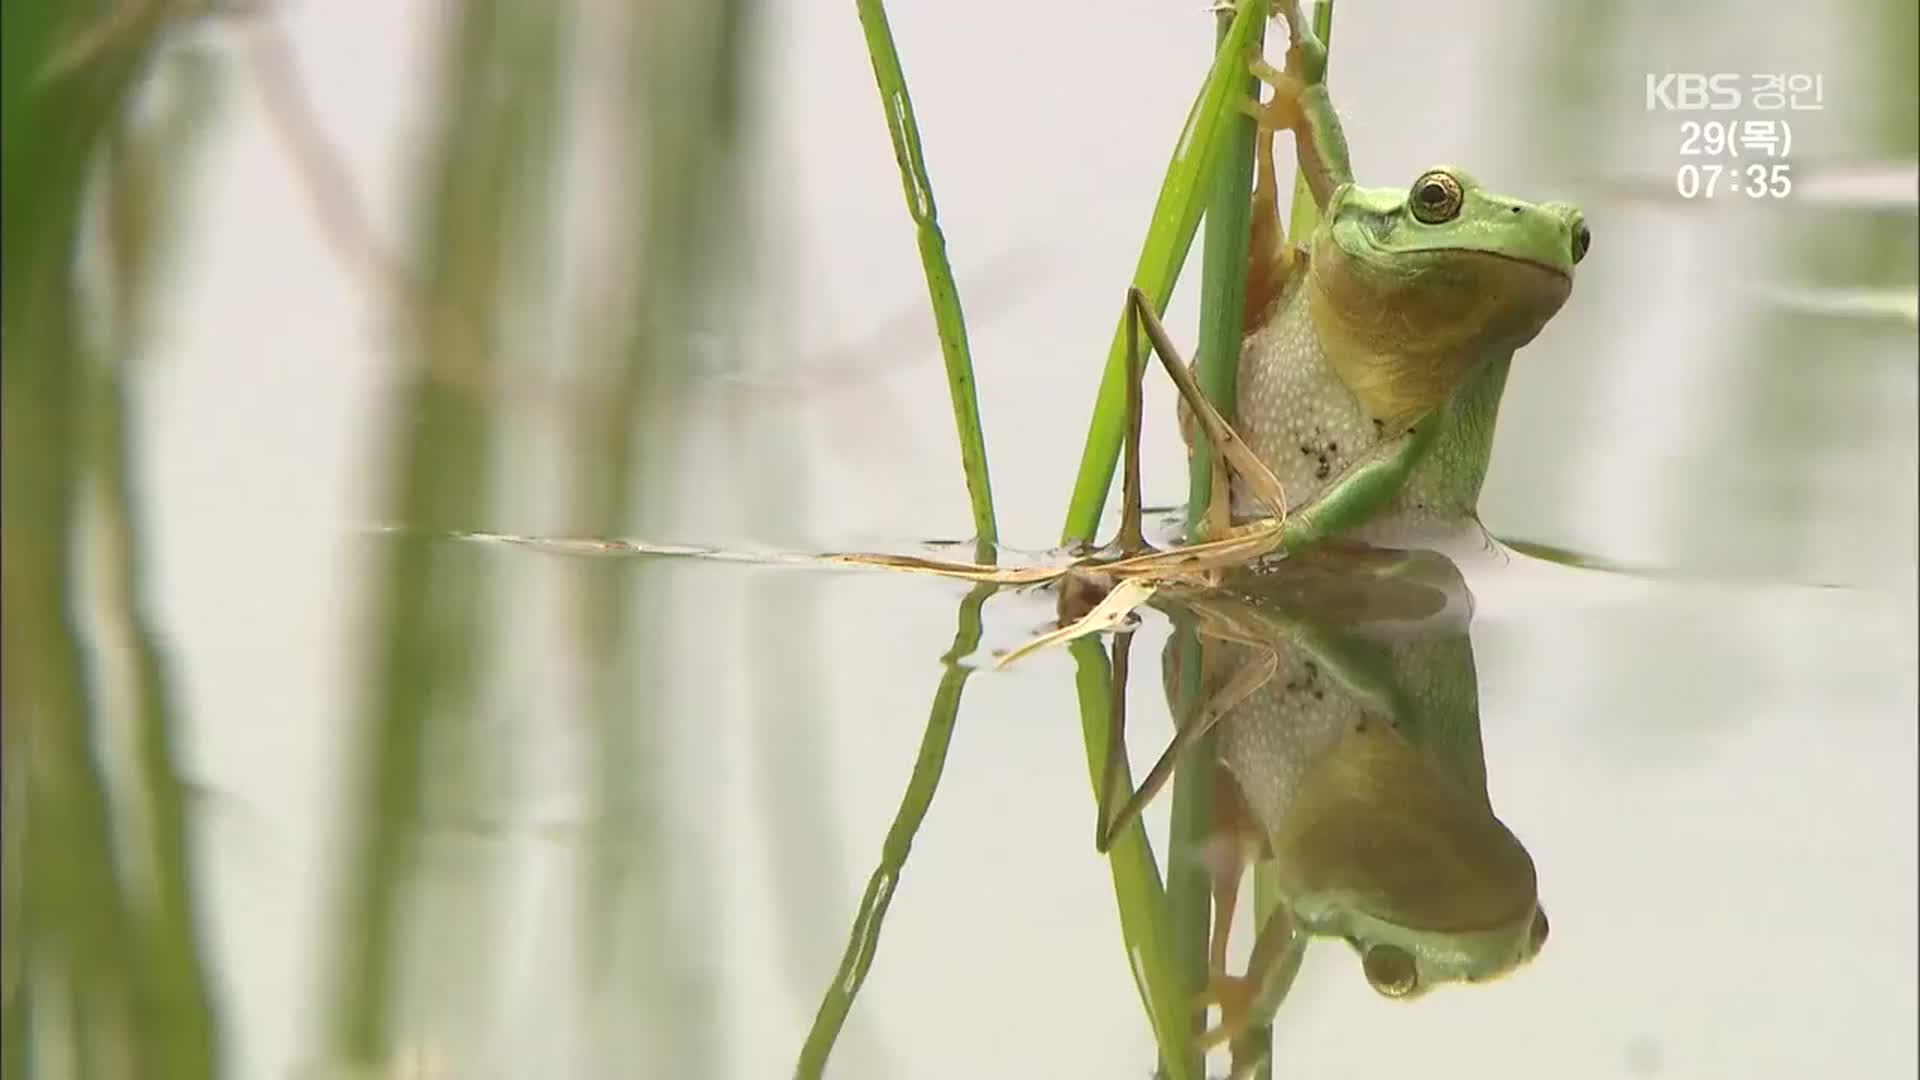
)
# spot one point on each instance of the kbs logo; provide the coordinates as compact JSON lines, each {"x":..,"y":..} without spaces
{"x":1693,"y":92}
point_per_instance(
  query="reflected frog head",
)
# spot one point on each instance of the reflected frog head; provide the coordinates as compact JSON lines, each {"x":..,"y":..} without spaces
{"x":1418,"y":876}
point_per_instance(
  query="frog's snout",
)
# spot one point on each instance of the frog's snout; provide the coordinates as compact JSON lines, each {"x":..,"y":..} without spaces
{"x":1576,"y":223}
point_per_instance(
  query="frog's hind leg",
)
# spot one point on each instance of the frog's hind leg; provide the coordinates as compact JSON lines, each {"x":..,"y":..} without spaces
{"x":1255,"y":673}
{"x":1234,"y":845}
{"x":1230,"y":451}
{"x":1248,"y":1002}
{"x":1244,"y":1000}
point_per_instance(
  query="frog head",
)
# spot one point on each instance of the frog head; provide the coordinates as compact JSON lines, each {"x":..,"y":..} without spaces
{"x":1408,"y":867}
{"x":1405,"y":962}
{"x":1413,"y":287}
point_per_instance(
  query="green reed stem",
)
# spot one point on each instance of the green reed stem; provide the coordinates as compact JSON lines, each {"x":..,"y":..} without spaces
{"x":942,"y":292}
{"x":1222,"y":294}
{"x":864,"y":940}
{"x":1189,"y":884}
{"x":1176,"y":217}
{"x":1223,"y":274}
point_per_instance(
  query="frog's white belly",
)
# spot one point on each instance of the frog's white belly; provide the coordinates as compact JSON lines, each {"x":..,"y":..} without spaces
{"x":1294,"y":412}
{"x":1277,"y":735}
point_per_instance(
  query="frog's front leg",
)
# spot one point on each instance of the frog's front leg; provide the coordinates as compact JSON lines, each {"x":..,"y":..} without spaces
{"x":1363,"y":490}
{"x":1300,"y":104}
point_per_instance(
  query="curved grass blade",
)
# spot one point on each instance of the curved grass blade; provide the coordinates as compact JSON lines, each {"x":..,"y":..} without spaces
{"x":932,"y":760}
{"x":1176,"y":217}
{"x":1113,"y":610}
{"x":942,"y":292}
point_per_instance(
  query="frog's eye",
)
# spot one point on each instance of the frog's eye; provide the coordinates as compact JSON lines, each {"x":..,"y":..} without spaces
{"x":1390,"y":971}
{"x":1537,"y":933}
{"x":1436,"y":198}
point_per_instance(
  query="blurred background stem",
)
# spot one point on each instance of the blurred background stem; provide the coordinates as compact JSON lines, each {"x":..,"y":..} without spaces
{"x":99,"y":875}
{"x":677,"y":203}
{"x":431,"y":605}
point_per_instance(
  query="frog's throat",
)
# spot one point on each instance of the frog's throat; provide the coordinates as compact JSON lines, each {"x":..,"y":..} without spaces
{"x":1403,"y":341}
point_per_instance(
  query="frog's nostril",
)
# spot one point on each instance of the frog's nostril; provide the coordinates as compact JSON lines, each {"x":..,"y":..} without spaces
{"x":1582,"y":240}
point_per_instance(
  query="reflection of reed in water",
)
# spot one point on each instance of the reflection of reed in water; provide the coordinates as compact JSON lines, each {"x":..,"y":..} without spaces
{"x":1350,"y":761}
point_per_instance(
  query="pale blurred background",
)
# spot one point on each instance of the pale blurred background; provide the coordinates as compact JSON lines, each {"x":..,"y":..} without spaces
{"x":644,"y":804}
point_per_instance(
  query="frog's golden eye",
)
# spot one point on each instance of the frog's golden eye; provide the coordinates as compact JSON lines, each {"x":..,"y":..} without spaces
{"x":1436,"y":198}
{"x":1390,"y":971}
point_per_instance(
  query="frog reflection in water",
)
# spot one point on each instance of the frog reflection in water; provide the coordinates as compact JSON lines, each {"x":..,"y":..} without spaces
{"x":1375,"y":353}
{"x":1348,"y":753}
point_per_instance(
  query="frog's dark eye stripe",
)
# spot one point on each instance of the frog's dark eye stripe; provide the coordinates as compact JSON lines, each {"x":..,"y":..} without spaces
{"x":1436,"y":198}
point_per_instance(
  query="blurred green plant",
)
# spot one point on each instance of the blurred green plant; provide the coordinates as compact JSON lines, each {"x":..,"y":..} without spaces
{"x":685,"y":68}
{"x":504,"y":103}
{"x":427,"y":655}
{"x":105,"y":972}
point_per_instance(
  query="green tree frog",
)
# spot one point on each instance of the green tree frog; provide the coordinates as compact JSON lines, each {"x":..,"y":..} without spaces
{"x":1374,"y":353}
{"x":1352,"y":761}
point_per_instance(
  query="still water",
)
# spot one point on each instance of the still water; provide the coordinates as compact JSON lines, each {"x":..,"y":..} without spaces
{"x":640,"y":849}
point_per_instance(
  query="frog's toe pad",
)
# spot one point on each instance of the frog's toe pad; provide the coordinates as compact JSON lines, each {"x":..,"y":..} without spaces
{"x":1234,"y":995}
{"x":1281,"y":112}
